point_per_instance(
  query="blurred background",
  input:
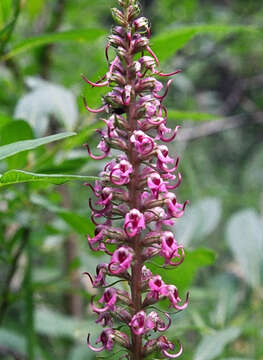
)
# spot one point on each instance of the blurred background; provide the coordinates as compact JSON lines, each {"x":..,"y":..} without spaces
{"x":45,"y":46}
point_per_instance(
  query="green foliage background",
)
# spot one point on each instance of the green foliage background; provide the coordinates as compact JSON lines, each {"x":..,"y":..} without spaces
{"x":45,"y":46}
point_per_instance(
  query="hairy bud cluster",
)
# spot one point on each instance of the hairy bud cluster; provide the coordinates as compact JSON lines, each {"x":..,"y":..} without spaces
{"x":134,"y":198}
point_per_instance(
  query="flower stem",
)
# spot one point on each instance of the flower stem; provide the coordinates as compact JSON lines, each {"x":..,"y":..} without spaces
{"x":135,"y":204}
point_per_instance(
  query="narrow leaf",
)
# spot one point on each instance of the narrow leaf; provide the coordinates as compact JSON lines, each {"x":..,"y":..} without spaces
{"x":19,"y":146}
{"x":20,"y":176}
{"x":192,"y":116}
{"x":167,"y":43}
{"x":79,"y":223}
{"x":85,"y":35}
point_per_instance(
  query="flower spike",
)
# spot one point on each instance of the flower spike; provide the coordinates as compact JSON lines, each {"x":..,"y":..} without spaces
{"x":133,"y":203}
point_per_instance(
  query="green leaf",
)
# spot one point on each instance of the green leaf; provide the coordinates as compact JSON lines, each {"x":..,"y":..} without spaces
{"x":4,"y":119}
{"x":15,"y":131}
{"x":192,"y":116}
{"x":184,"y":275}
{"x":79,"y":223}
{"x":166,"y":44}
{"x":85,"y":35}
{"x":54,"y":324}
{"x":7,"y":31}
{"x":20,"y":176}
{"x":19,"y":146}
{"x":212,"y":345}
{"x":244,"y":235}
{"x":200,"y":220}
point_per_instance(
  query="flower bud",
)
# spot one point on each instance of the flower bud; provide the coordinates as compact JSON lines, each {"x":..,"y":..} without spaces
{"x":118,"y":16}
{"x":141,"y":23}
{"x":119,"y":30}
{"x":139,"y":44}
{"x":121,"y":52}
{"x":124,"y":3}
{"x":116,"y":41}
{"x":122,"y":339}
{"x":118,"y":78}
{"x":150,"y":346}
{"x":135,"y":67}
{"x":133,"y":12}
{"x":148,"y":62}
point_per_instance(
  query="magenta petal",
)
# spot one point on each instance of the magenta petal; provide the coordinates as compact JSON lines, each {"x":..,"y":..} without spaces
{"x":93,"y":348}
{"x":166,"y":327}
{"x":105,"y":83}
{"x":94,"y":157}
{"x":95,"y":111}
{"x":182,"y":307}
{"x":173,"y":356}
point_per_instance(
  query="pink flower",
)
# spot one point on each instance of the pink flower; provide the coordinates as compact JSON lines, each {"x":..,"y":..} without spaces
{"x":143,"y":143}
{"x":121,"y":260}
{"x":162,"y":155}
{"x":169,"y":248}
{"x":174,"y":209}
{"x":106,"y":196}
{"x":106,"y":338}
{"x":141,"y":323}
{"x":146,"y":273}
{"x":97,"y":239}
{"x":159,"y":324}
{"x":121,"y":172}
{"x":105,"y":319}
{"x":101,"y":272}
{"x":172,"y":293}
{"x":156,"y":184}
{"x":109,"y":298}
{"x":157,"y":287}
{"x":164,"y":344}
{"x":134,"y":222}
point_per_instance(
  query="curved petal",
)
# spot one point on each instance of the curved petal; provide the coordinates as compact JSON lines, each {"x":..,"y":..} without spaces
{"x":179,"y":180}
{"x":114,"y":271}
{"x":95,"y":111}
{"x":114,"y":181}
{"x":169,"y":74}
{"x":173,"y":356}
{"x":95,"y":157}
{"x":152,"y":54}
{"x":171,"y":138}
{"x":166,"y":327}
{"x":180,"y":261}
{"x":161,"y":97}
{"x":97,"y":309}
{"x":105,"y":83}
{"x":90,"y":277}
{"x":93,"y":348}
{"x":182,"y":307}
{"x":129,"y":234}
